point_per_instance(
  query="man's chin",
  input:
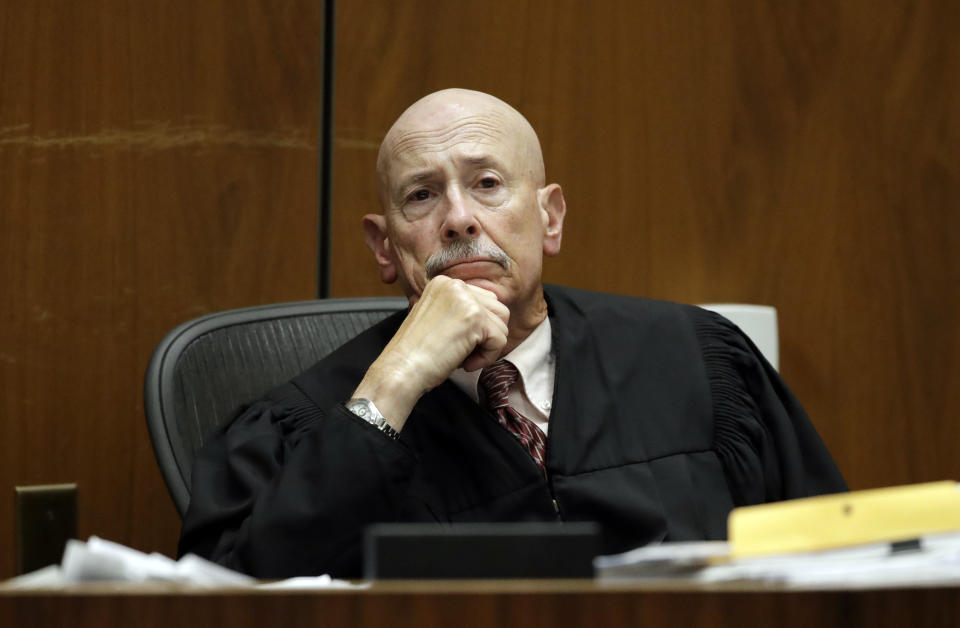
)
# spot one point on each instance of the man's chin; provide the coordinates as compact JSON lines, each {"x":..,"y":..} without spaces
{"x":502,"y":292}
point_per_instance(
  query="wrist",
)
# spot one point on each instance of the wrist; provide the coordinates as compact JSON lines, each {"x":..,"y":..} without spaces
{"x":392,"y":394}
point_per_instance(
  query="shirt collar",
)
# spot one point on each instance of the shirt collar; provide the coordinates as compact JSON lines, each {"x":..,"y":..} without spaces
{"x":532,"y":357}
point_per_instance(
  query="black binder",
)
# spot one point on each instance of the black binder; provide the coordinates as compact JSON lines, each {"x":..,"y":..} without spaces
{"x":480,"y":550}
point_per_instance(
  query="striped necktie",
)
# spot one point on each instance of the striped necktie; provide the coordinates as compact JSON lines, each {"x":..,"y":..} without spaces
{"x":496,"y":381}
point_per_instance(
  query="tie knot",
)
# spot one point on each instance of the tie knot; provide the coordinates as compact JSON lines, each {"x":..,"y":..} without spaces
{"x":496,"y":381}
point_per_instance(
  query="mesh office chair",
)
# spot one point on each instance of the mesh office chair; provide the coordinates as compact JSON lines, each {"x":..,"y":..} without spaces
{"x":206,"y":368}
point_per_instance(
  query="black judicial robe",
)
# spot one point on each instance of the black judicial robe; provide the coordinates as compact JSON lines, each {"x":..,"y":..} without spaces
{"x":664,"y":417}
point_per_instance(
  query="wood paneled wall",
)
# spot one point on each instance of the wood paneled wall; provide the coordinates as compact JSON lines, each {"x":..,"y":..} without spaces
{"x":799,"y":154}
{"x":157,"y":161}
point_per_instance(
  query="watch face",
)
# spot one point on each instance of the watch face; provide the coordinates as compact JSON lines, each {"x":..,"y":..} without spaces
{"x":362,"y":410}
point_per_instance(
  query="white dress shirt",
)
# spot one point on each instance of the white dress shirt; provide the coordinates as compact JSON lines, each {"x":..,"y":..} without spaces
{"x":532,"y":394}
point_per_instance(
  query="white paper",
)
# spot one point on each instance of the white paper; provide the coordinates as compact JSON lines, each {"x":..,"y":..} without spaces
{"x":99,"y":560}
{"x":661,"y":560}
{"x":937,"y":561}
{"x":308,"y":583}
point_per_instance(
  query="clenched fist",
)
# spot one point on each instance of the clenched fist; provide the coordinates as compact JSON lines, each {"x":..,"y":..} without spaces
{"x":452,"y":324}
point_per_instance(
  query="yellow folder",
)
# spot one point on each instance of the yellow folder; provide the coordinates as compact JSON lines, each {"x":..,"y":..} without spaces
{"x":831,"y":521}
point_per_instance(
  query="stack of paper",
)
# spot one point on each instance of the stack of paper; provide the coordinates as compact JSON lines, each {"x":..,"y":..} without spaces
{"x":933,"y":560}
{"x":897,"y":536}
{"x":98,"y":560}
{"x":667,"y":560}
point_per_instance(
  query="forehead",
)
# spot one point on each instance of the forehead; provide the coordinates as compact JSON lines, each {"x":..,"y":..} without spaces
{"x":471,"y":139}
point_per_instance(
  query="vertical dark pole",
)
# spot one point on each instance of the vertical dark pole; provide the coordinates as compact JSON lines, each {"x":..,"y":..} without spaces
{"x":326,"y":150}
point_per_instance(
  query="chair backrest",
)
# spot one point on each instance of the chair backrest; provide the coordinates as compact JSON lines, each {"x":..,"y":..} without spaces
{"x":207,"y":367}
{"x":758,"y":322}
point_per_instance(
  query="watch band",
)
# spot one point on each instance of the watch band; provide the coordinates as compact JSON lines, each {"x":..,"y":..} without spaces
{"x":365,"y":409}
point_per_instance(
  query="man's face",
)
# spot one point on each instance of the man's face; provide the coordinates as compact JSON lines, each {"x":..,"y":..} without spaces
{"x":461,"y":198}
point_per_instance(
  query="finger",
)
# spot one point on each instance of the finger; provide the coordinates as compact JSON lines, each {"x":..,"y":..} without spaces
{"x":500,"y":320}
{"x":484,"y":355}
{"x":481,"y":293}
{"x":489,"y":300}
{"x":488,"y":350}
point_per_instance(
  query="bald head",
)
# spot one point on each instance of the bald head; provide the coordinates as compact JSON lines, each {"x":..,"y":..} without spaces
{"x":463,"y":192}
{"x":440,"y":119}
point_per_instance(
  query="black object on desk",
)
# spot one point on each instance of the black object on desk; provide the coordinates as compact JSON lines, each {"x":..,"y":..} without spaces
{"x":45,"y":518}
{"x":480,"y":550}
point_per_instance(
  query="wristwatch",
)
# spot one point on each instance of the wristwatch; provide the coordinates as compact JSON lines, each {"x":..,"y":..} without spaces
{"x":365,"y":409}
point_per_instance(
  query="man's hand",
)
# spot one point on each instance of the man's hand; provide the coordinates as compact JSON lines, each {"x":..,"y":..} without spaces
{"x":452,"y":324}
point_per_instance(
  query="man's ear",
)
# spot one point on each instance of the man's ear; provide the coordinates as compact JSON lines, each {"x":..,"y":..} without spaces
{"x":553,"y":208}
{"x":375,"y":233}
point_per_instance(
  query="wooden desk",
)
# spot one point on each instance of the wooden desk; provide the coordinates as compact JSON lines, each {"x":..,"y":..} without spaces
{"x":482,"y":604}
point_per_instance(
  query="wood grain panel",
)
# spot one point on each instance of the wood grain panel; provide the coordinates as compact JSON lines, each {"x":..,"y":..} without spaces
{"x":470,"y":607}
{"x":157,"y":161}
{"x":804,"y":155}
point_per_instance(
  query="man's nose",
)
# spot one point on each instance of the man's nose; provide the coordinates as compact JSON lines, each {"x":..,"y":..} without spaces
{"x":460,"y":220}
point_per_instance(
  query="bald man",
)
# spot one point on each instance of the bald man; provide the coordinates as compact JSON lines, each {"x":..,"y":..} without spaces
{"x":467,"y":220}
{"x":494,"y":397}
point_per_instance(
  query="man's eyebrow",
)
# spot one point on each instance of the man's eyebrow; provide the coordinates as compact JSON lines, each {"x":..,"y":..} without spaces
{"x":480,"y":161}
{"x":417,"y":177}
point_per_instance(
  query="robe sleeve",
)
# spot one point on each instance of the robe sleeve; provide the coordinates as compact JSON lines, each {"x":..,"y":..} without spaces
{"x":769,"y":448}
{"x":288,"y":488}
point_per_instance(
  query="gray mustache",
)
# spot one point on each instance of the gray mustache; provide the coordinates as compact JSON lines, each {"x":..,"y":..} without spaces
{"x":464,"y":249}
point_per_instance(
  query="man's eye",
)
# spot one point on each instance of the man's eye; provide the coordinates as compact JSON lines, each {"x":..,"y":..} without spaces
{"x":488,"y":182}
{"x":419,"y":195}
